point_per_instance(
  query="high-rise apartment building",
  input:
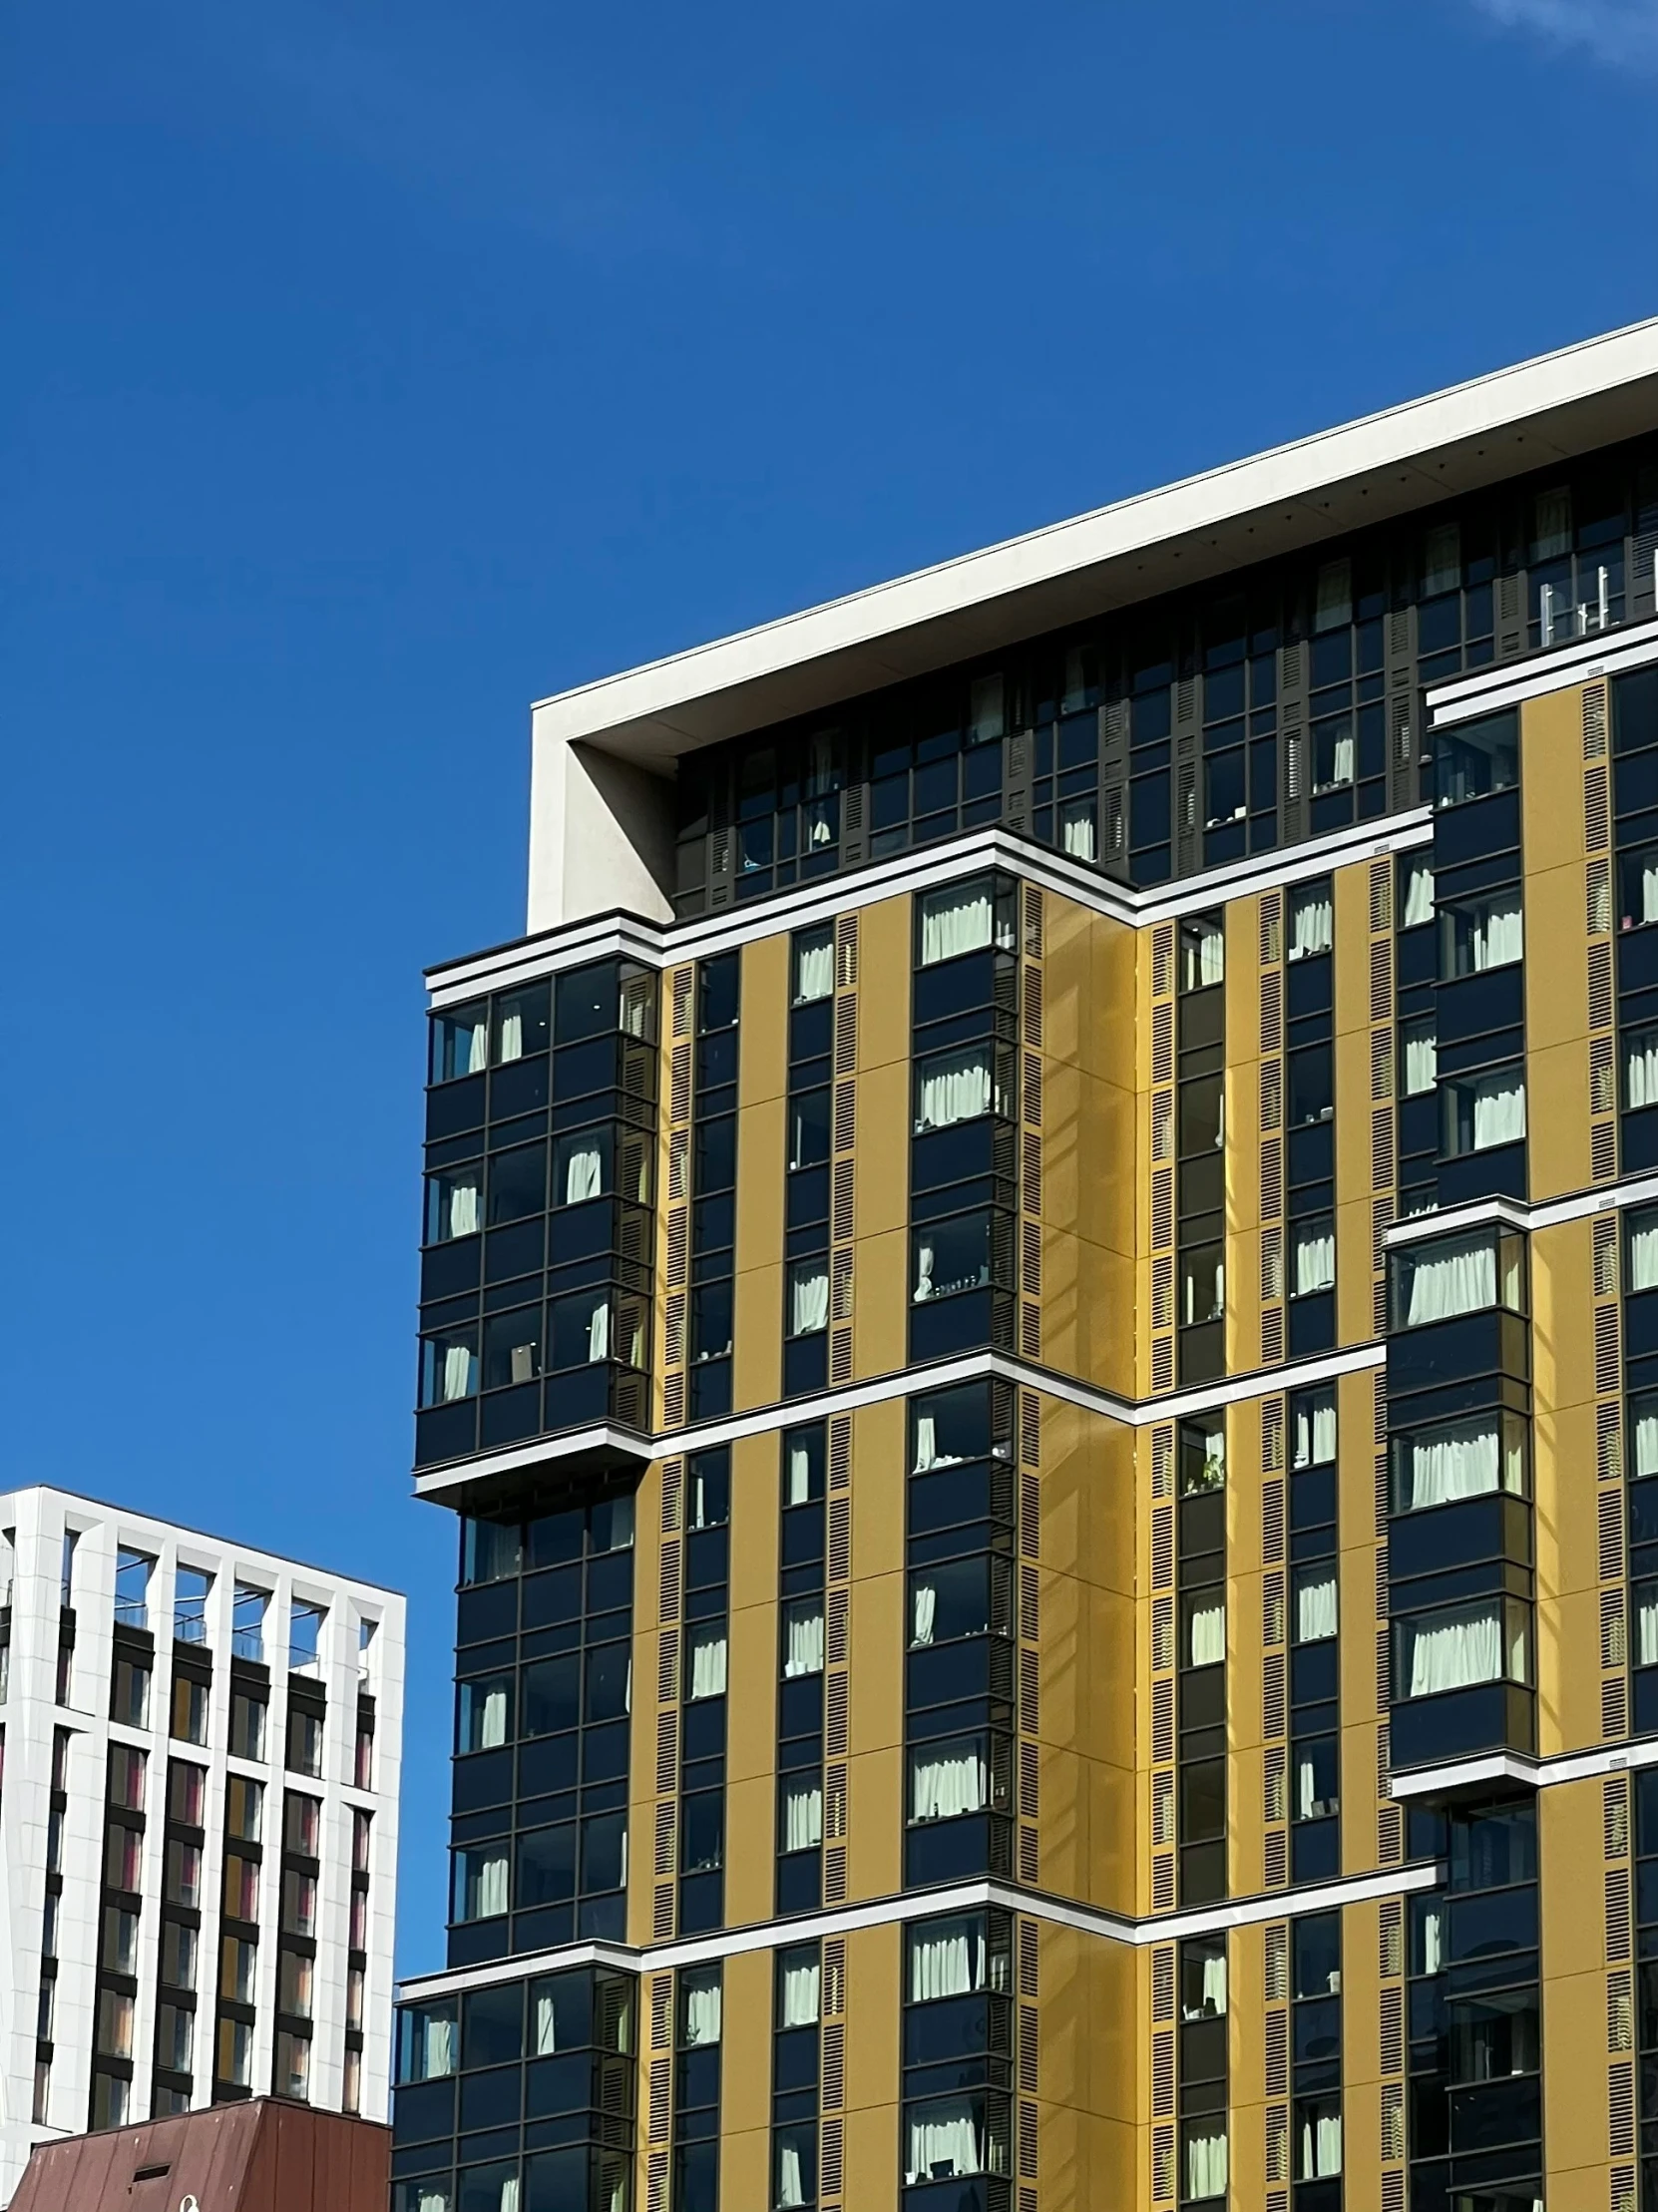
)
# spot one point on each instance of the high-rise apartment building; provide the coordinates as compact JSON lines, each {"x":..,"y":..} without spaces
{"x":1041,"y":1310}
{"x":198,"y":1825}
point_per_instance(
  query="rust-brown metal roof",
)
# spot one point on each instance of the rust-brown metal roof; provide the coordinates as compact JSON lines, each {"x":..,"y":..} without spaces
{"x":262,"y":2156}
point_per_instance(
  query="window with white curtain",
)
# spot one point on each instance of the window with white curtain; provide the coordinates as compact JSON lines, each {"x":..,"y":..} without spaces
{"x":1418,"y":1043}
{"x":1332,"y":753}
{"x":1478,"y":935}
{"x":798,"y":1987}
{"x":1203,"y":1978}
{"x":1638,"y":888}
{"x":802,"y":1637}
{"x":801,"y":1822}
{"x":481,"y":1882}
{"x":1454,"y":1460}
{"x":802,"y":1466}
{"x":705,"y":1660}
{"x":1313,"y":1602}
{"x":1317,"y":2139}
{"x":1312,"y":1256}
{"x":449,"y":1367}
{"x":1317,"y":1779}
{"x":1202,"y":953}
{"x":485,"y":1713}
{"x":460,"y":1042}
{"x":582,"y":1166}
{"x":1202,"y":1455}
{"x":1205,"y":1632}
{"x":1458,"y":1646}
{"x":955,"y":1087}
{"x":1333,"y":603}
{"x":1643,"y":1434}
{"x":944,"y":2139}
{"x":948,"y":1778}
{"x":1203,"y":2159}
{"x":1311,"y":921}
{"x":796,"y":2175}
{"x":808,"y":1297}
{"x":951,"y":1256}
{"x":957,"y":918}
{"x":814,"y":965}
{"x":1646,"y":1623}
{"x":1643,"y":1251}
{"x":1482,"y":1112}
{"x":1079,"y":828}
{"x":1419,"y":893}
{"x":1439,"y":1279}
{"x":1202,"y":1285}
{"x":1312,"y":1428}
{"x":1640,"y":1067}
{"x":426,"y":2042}
{"x":453,"y":1203}
{"x":701,"y":2009}
{"x":953,"y":1957}
{"x":1473,"y":759}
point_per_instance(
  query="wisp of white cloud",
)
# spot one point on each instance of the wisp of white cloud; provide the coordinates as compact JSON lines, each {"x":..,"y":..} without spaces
{"x":1621,"y":31}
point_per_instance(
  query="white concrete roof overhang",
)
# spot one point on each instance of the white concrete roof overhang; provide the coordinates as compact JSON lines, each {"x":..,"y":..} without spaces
{"x":1404,"y":459}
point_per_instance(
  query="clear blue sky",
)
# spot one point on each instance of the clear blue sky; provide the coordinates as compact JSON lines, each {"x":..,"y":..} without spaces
{"x":369,"y":370}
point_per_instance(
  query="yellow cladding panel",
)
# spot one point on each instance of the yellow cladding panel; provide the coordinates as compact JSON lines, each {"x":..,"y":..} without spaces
{"x":876,"y":1721}
{"x":1571,"y":1853}
{"x":1243,"y":1133}
{"x":762,"y":1081}
{"x":1087,"y":1611}
{"x":1088,"y":1137}
{"x":1564,"y":1480}
{"x":1354,"y":1317}
{"x":641,"y":1755}
{"x":1094,"y":2005}
{"x":745,"y":2082}
{"x":880,"y":1316}
{"x":1360,"y":2059}
{"x":873,"y":2012}
{"x":752,"y":1669}
{"x":1556,"y":945}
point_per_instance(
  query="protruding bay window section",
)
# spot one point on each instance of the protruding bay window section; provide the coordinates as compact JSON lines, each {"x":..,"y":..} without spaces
{"x":1640,"y":1352}
{"x":959,"y":1634}
{"x":517,"y":2095}
{"x":544,"y":1697}
{"x":806,"y":1195}
{"x":1200,"y":1120}
{"x":1476,"y":2046}
{"x":1204,"y":2147}
{"x":1460,"y":1545}
{"x":964,"y":1196}
{"x":955,"y":2148}
{"x":1480,"y":1002}
{"x":536,"y":1267}
{"x":1200,"y":1578}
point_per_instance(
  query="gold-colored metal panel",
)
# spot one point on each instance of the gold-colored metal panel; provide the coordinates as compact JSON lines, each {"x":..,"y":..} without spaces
{"x":764,"y":1059}
{"x":745,"y":2082}
{"x":1556,"y":945}
{"x":884,"y":966}
{"x":1360,"y":2059}
{"x":1565,"y":1525}
{"x":873,"y":2012}
{"x":1571,"y":1898}
{"x":881,"y":1308}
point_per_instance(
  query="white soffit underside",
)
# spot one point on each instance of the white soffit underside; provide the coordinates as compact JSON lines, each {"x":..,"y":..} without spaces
{"x":1389,"y":464}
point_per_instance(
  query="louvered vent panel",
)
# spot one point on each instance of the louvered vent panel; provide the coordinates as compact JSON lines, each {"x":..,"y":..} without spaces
{"x":1272,"y":1013}
{"x":1162,"y":2075}
{"x":1273,"y":1707}
{"x":1603,"y":1151}
{"x":1391,"y":1938}
{"x":834,"y":2065}
{"x":1162,"y":1982}
{"x":1275,"y":1857}
{"x":1620,"y":2110}
{"x":1617,"y":1914}
{"x":1597,"y":820}
{"x":1389,"y":1835}
{"x":1162,"y":1722}
{"x":1614,"y":1720}
{"x":1270,"y":921}
{"x":1162,"y":960}
{"x":1620,"y":2013}
{"x":668,"y":1607}
{"x":1272,"y":1523}
{"x":1272,"y":1093}
{"x":1162,"y":1547}
{"x":1614,"y":1815}
{"x":1162,"y":1043}
{"x":1393,"y":2031}
{"x":1381,"y":979}
{"x":832,"y":2157}
{"x":1029,"y":1959}
{"x":1162,"y":1881}
{"x":1600,"y":985}
{"x":1594,"y":722}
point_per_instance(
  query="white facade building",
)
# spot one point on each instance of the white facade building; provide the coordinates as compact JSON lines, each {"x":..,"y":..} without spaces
{"x":198,"y":1824}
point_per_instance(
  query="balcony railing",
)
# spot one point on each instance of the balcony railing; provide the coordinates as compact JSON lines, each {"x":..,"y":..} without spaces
{"x":247,"y":1644}
{"x":131,"y":1613}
